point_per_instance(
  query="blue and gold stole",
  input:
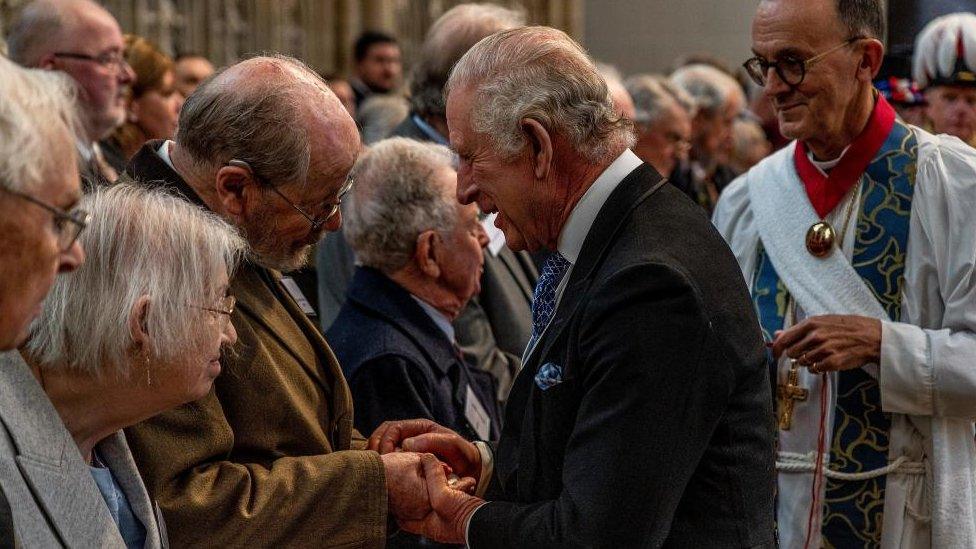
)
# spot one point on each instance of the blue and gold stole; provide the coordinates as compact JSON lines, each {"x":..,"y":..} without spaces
{"x":852,"y":511}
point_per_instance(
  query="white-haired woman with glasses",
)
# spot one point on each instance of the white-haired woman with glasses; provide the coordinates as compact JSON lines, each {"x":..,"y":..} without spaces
{"x":135,"y":331}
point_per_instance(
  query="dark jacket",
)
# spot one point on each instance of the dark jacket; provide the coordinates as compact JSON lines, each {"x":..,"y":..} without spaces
{"x":496,"y":325}
{"x":255,"y":462}
{"x":400,"y":364}
{"x":660,"y":433}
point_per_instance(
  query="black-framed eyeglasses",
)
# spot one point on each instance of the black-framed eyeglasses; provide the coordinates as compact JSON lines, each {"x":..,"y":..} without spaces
{"x":67,"y":224}
{"x":109,"y":60}
{"x":331,"y":208}
{"x":791,"y":70}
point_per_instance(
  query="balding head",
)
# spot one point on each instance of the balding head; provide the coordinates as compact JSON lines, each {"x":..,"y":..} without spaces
{"x":82,"y":39}
{"x":289,"y":136}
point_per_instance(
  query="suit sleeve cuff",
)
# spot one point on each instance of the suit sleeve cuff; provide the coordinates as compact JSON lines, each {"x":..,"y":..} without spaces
{"x":467,"y":525}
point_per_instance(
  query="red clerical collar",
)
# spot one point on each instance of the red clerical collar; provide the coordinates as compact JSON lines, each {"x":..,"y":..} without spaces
{"x":825,"y":192}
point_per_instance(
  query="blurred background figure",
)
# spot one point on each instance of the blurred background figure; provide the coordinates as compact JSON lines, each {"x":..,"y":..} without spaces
{"x":623,"y":103}
{"x":663,"y":121}
{"x":894,"y":81}
{"x":153,"y":105}
{"x":82,"y":39}
{"x":137,"y":330}
{"x":718,"y":100}
{"x":379,"y":115}
{"x":945,"y":68}
{"x":343,"y":90}
{"x":377,"y":65}
{"x":749,"y":145}
{"x":191,"y":69}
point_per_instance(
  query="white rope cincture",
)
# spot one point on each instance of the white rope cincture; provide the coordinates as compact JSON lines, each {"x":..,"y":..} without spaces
{"x":789,"y":462}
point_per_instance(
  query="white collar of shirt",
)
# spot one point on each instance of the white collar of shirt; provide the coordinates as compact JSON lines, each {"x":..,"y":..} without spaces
{"x":584,"y":214}
{"x":163,"y":152}
{"x":826,"y":165}
{"x":439,"y":318}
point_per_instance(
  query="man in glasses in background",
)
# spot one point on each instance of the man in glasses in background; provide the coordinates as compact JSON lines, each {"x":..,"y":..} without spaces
{"x":264,"y":459}
{"x":83,"y":40}
{"x":858,"y":241}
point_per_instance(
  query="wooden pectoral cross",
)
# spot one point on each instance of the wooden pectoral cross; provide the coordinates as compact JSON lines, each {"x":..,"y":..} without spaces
{"x":788,"y":395}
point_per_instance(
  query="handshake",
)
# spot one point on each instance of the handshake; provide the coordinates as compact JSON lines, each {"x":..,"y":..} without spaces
{"x":429,"y":496}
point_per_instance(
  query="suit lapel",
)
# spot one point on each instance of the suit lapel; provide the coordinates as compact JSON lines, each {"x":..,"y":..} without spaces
{"x":630,"y":193}
{"x":115,"y":452}
{"x":50,"y":462}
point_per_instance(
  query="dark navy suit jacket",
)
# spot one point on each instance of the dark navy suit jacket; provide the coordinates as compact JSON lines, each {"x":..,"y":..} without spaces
{"x":399,"y":363}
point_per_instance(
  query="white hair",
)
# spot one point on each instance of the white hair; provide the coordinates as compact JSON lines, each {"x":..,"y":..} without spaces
{"x":37,"y":109}
{"x":139,"y":242}
{"x":448,"y":39}
{"x":655,"y":95}
{"x":542,"y":74}
{"x":938,"y":46}
{"x":711,"y":88}
{"x":262,"y":121}
{"x":379,"y":115}
{"x":395,"y":199}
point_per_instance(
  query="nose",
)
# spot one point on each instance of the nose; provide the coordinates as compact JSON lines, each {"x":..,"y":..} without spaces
{"x":466,"y":192}
{"x":229,"y":334}
{"x":72,"y":258}
{"x":126,"y":74}
{"x":774,"y":84}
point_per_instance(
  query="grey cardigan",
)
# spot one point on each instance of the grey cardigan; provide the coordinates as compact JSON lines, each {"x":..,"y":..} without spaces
{"x":52,"y":495}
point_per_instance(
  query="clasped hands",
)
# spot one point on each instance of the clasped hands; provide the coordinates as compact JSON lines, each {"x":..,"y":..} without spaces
{"x":831,"y":342}
{"x":421,"y":497}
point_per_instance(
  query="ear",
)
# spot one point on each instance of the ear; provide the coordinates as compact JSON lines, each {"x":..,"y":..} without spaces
{"x":426,"y":253}
{"x":871,"y":59}
{"x":234,"y":185}
{"x":541,"y":143}
{"x":137,"y":323}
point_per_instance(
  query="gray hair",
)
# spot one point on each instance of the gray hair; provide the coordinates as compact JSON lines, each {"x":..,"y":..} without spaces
{"x":448,"y":39}
{"x":654,"y":95}
{"x":542,"y":74}
{"x":263,"y":123}
{"x":395,"y":199}
{"x":862,"y":17}
{"x":139,"y":242}
{"x":38,"y":108}
{"x":710,"y":88}
{"x":379,"y":115}
{"x":32,"y":31}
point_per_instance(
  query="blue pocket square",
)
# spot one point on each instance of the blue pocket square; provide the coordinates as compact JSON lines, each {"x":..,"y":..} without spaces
{"x":549,"y":375}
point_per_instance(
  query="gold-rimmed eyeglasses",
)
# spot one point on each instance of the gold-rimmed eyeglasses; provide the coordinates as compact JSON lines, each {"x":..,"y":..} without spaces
{"x":331,"y":208}
{"x":68,"y":225}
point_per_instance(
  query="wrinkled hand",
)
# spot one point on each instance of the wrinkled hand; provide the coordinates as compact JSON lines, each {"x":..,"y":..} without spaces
{"x":405,"y":486}
{"x":451,"y":507}
{"x":831,"y":342}
{"x":425,"y":436}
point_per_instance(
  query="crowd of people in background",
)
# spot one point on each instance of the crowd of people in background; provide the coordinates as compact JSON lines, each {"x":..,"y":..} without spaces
{"x":256,"y":251}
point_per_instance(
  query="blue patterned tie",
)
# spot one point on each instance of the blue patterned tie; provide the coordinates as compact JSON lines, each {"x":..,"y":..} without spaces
{"x":544,"y":297}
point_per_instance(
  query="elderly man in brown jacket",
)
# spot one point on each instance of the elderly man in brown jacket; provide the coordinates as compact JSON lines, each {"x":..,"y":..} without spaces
{"x":269,"y":458}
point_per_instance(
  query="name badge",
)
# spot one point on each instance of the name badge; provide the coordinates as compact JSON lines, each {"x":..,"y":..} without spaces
{"x":477,"y":416}
{"x":496,"y":238}
{"x":296,"y":293}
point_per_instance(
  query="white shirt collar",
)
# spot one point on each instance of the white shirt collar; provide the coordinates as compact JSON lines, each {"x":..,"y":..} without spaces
{"x":584,"y":214}
{"x":439,"y":318}
{"x":826,"y":165}
{"x":163,"y":152}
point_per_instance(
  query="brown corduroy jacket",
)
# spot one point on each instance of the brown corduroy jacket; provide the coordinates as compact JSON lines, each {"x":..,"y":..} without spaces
{"x":269,"y":458}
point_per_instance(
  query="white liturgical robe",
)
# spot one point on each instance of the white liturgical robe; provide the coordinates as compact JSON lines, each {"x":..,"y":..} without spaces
{"x":927,"y":371}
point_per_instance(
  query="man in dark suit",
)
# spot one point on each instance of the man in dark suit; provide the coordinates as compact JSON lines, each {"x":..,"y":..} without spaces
{"x":495,"y":326}
{"x":277,"y":428}
{"x":642,"y":415}
{"x":421,"y":256}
